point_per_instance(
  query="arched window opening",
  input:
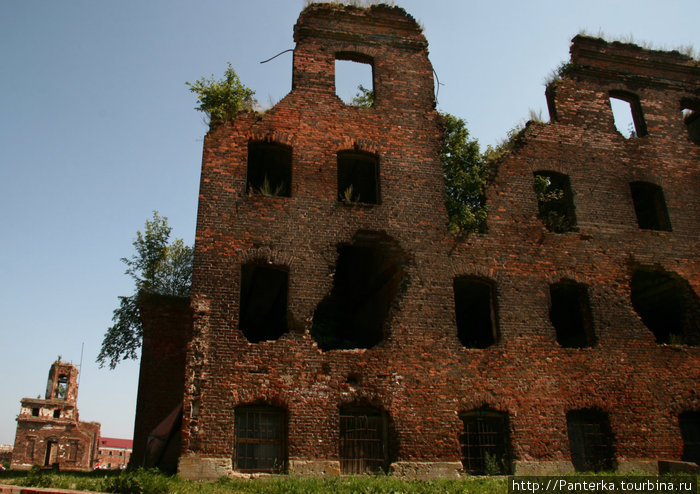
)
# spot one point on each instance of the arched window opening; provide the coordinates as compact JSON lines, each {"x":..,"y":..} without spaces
{"x":591,"y":440}
{"x":363,"y":440}
{"x":30,"y":448}
{"x":689,"y":423}
{"x":260,"y":438}
{"x":570,"y":314}
{"x":650,"y":206}
{"x":73,"y":450}
{"x":555,"y":201}
{"x":354,"y":79}
{"x":269,"y":171}
{"x":358,"y":178}
{"x":475,"y":311}
{"x":485,"y":442}
{"x":691,"y":116}
{"x":667,"y":305}
{"x":62,"y":387}
{"x":51,"y":457}
{"x":627,"y":114}
{"x":263,"y":310}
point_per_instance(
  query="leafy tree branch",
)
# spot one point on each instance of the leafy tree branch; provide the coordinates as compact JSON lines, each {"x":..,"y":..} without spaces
{"x":158,"y":267}
{"x":466,"y":175}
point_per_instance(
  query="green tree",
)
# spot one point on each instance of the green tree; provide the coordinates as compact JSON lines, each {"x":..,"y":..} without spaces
{"x":466,"y":176}
{"x":157,"y":267}
{"x":364,"y":98}
{"x":222,"y":99}
{"x":465,"y":169}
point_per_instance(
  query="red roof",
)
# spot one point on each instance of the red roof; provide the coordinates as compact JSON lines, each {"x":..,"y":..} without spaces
{"x":113,"y":442}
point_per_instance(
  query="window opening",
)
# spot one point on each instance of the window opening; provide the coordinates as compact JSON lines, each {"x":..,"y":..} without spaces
{"x":72,"y":450}
{"x":354,"y":79}
{"x":56,"y":414}
{"x":260,"y":437}
{"x":570,"y":314}
{"x":590,"y":440}
{"x":263,"y":311}
{"x":689,"y":422}
{"x":667,"y":305}
{"x":475,"y":312}
{"x":368,"y":276}
{"x":551,"y":103}
{"x":269,"y":171}
{"x":35,"y":412}
{"x":627,"y":114}
{"x":485,"y":442}
{"x":555,"y":201}
{"x":30,"y":449}
{"x":363,"y":440}
{"x":358,"y":177}
{"x":650,"y":206}
{"x":62,"y":387}
{"x":691,"y":117}
{"x":51,"y":453}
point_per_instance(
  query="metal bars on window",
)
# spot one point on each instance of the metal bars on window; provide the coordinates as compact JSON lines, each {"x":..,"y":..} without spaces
{"x":590,"y":440}
{"x":363,"y":447}
{"x":485,"y":442}
{"x":259,"y":439}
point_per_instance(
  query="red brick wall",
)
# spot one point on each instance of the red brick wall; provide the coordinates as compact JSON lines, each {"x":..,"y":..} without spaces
{"x":167,"y":328}
{"x":420,"y":373}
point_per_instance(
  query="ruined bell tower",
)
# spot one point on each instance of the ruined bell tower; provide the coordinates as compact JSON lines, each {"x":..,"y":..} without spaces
{"x":49,"y":431}
{"x":63,"y":382}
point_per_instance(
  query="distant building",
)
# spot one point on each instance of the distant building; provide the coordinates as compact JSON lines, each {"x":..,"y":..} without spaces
{"x":113,"y":453}
{"x":49,"y":431}
{"x":5,"y":454}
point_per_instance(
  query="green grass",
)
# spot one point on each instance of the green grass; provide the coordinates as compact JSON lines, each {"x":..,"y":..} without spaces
{"x":153,"y":482}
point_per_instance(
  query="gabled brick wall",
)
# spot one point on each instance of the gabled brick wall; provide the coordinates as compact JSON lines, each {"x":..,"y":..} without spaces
{"x":420,"y":379}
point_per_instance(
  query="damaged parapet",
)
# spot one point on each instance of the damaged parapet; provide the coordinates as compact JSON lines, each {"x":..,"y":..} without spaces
{"x":49,"y":432}
{"x":339,"y":328}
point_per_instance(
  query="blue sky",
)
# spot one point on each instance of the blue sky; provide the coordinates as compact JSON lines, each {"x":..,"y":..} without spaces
{"x":97,"y":129}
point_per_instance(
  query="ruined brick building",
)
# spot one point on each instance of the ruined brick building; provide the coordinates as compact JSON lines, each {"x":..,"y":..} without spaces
{"x":337,"y":327}
{"x":114,"y":453}
{"x":49,"y":431}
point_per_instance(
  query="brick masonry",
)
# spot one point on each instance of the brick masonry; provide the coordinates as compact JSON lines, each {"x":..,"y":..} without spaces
{"x":167,"y":327}
{"x":49,"y":431}
{"x":420,"y":374}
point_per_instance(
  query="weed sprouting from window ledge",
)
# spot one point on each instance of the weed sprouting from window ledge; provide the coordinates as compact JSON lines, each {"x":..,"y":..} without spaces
{"x":348,"y":197}
{"x":267,"y":190}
